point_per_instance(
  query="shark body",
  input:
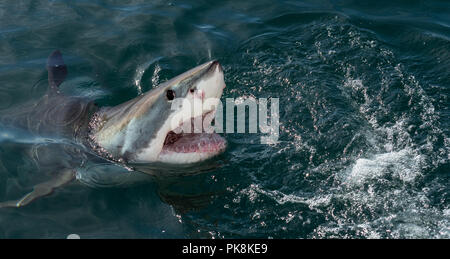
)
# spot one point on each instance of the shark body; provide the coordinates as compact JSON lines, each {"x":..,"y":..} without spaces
{"x":146,"y":129}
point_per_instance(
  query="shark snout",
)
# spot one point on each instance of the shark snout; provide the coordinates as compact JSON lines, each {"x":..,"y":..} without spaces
{"x":216,"y":65}
{"x":212,"y":81}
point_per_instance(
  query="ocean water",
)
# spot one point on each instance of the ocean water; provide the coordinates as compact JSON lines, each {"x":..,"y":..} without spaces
{"x":363,"y":90}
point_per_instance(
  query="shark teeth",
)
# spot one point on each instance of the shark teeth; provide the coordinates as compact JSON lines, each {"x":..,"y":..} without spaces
{"x":194,"y":143}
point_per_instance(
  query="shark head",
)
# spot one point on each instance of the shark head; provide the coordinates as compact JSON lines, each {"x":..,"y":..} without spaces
{"x":158,"y":125}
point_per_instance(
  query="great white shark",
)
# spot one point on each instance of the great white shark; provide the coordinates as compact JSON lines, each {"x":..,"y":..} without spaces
{"x":146,"y":129}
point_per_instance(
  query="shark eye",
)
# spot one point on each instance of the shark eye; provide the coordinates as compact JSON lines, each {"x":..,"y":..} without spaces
{"x":170,"y":94}
{"x":192,"y":90}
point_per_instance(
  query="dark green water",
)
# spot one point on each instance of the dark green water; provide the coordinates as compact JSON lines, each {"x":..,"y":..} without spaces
{"x":364,"y":113}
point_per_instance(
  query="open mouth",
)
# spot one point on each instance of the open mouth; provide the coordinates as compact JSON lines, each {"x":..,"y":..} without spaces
{"x":193,"y":142}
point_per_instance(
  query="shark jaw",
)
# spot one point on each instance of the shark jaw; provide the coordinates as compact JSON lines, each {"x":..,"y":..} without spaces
{"x":152,"y":127}
{"x":184,"y":148}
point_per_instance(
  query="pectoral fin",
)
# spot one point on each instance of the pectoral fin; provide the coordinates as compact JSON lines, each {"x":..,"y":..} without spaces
{"x":42,"y":189}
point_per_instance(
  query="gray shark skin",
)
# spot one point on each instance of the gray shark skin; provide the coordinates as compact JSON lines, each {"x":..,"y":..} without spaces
{"x":100,"y":146}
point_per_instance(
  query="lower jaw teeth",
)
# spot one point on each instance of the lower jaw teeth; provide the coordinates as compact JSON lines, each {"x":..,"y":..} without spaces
{"x":192,"y":143}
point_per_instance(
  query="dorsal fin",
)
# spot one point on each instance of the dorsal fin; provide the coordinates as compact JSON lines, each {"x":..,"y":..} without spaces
{"x":57,"y":70}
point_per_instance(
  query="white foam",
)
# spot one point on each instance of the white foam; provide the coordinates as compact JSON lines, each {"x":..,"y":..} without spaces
{"x":404,"y":165}
{"x":140,"y":70}
{"x":253,"y":191}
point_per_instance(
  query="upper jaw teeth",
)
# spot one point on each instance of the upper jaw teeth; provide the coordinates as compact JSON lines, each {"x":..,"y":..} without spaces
{"x":191,"y":126}
{"x":196,"y":124}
